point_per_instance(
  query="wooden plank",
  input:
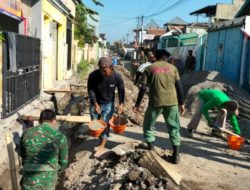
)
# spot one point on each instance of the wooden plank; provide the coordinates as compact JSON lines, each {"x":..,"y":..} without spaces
{"x":68,"y":118}
{"x":66,"y":91}
{"x":228,"y":132}
{"x":159,"y":167}
{"x":77,"y":85}
{"x":11,"y":161}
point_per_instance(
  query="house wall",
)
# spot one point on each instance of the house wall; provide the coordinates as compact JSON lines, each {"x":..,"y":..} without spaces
{"x":1,"y":78}
{"x":199,"y":31}
{"x":53,"y":45}
{"x":228,"y":11}
{"x":70,"y":5}
{"x":91,"y":52}
{"x":31,"y":25}
{"x":77,"y":55}
{"x":246,"y":68}
{"x":223,"y":54}
{"x":180,"y":54}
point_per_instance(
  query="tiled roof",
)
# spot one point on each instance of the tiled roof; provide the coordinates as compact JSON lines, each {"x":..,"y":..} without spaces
{"x":173,"y":27}
{"x":176,"y":21}
{"x":152,"y":24}
{"x":156,"y":32}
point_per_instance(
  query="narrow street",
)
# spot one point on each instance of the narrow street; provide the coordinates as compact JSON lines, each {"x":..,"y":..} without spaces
{"x":70,"y":70}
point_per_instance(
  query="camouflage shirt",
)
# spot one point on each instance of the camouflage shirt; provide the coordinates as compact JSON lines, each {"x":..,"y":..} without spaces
{"x":44,"y":148}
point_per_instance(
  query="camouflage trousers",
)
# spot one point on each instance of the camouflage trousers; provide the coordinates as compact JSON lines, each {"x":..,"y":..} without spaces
{"x":34,"y":180}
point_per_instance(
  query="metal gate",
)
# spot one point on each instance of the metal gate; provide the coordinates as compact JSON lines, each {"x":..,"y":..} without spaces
{"x":21,"y":71}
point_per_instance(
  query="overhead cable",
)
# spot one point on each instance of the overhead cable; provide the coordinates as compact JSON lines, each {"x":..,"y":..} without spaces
{"x":178,"y":3}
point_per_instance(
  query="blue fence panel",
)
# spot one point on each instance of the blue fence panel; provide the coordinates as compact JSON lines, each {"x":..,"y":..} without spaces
{"x":211,"y":54}
{"x":224,"y":49}
{"x":232,"y":54}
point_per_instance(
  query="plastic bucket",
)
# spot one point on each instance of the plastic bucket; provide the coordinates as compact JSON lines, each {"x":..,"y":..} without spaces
{"x":235,"y":142}
{"x":96,"y":127}
{"x":118,"y":124}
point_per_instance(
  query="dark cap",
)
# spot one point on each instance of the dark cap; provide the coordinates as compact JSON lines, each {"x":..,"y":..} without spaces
{"x":105,"y":62}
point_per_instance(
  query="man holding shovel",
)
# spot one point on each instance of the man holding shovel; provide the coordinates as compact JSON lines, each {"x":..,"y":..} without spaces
{"x":102,"y":84}
{"x":208,"y":99}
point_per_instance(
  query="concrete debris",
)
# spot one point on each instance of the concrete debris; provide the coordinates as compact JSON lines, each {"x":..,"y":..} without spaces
{"x":115,"y":172}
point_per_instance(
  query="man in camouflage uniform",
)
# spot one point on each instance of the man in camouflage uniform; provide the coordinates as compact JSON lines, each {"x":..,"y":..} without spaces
{"x":44,"y":152}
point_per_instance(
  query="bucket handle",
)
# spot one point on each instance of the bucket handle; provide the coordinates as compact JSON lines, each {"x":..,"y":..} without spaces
{"x":100,"y":116}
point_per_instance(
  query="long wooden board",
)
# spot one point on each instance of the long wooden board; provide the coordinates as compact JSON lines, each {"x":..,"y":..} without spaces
{"x":66,"y":91}
{"x":12,"y":164}
{"x":68,"y":118}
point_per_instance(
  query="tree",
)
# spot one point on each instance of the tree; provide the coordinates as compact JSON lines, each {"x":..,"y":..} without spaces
{"x":108,"y":45}
{"x":83,"y":31}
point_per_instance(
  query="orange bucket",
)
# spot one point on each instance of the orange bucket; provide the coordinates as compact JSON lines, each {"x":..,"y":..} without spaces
{"x":118,"y":124}
{"x":96,"y":127}
{"x":235,"y":142}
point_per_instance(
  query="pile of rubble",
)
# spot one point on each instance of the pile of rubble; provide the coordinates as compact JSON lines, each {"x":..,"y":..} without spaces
{"x":118,"y":172}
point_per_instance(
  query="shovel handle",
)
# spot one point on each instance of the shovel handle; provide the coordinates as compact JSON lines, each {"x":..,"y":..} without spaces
{"x":226,"y":131}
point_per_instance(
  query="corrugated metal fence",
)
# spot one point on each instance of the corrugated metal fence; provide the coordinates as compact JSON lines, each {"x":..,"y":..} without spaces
{"x":21,"y":71}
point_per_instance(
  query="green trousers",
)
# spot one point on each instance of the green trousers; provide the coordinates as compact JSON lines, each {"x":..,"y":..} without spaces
{"x":171,"y":116}
{"x":43,"y":180}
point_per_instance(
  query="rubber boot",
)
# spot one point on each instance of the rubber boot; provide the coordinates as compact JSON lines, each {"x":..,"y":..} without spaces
{"x":151,"y":146}
{"x":175,"y":158}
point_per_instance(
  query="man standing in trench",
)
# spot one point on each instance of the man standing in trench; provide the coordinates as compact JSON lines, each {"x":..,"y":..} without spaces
{"x":102,"y":84}
{"x":44,"y":152}
{"x":165,"y":91}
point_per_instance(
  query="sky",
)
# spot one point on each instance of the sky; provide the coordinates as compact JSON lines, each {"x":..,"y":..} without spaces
{"x":118,"y":18}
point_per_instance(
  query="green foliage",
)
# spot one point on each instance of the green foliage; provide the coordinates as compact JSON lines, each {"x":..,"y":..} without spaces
{"x":83,"y":67}
{"x":108,"y":45}
{"x":118,"y":48}
{"x":98,"y":3}
{"x":101,"y":45}
{"x":1,"y":36}
{"x":84,"y":32}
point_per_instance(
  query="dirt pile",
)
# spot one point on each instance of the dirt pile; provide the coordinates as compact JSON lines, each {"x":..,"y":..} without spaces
{"x":115,"y":172}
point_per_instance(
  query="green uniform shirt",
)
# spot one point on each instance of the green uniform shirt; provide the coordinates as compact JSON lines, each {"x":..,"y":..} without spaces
{"x":215,"y":99}
{"x":160,"y":77}
{"x":44,"y":148}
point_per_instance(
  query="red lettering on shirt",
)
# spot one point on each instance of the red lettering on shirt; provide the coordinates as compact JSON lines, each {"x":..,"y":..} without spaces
{"x":161,"y":69}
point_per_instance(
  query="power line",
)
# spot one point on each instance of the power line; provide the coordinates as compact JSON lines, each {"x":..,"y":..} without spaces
{"x":120,"y":17}
{"x":121,"y":22}
{"x":150,"y":5}
{"x":178,"y":3}
{"x":155,"y":7}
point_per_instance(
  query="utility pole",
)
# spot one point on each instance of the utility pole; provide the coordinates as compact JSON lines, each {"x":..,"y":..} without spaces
{"x":141,"y":31}
{"x":127,"y":37}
